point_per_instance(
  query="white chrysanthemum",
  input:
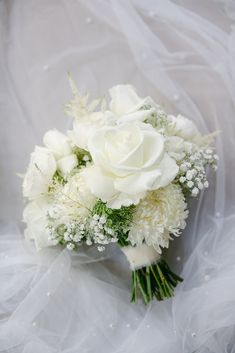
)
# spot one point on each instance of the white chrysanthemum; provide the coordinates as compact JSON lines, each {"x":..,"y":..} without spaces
{"x":73,"y":201}
{"x":160,"y":214}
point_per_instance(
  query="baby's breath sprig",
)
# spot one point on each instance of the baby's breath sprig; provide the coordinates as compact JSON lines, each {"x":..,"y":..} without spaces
{"x":99,"y":233}
{"x":193,"y":171}
{"x":158,"y":119}
{"x":118,"y":221}
{"x":69,"y":234}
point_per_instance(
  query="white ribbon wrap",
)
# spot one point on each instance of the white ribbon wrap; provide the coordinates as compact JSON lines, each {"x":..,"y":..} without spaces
{"x":141,"y":256}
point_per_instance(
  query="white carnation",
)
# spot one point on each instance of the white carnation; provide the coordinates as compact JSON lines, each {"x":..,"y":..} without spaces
{"x":161,"y":213}
{"x":73,"y":201}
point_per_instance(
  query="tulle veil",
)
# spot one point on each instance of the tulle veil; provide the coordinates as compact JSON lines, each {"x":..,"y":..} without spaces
{"x":182,"y":54}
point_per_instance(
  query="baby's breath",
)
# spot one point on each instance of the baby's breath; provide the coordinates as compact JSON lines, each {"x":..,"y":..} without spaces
{"x":192,"y":174}
{"x":117,"y":221}
{"x":72,"y":233}
{"x":159,"y":120}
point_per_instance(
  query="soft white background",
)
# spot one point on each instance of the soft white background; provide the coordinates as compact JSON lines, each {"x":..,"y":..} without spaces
{"x":180,"y":52}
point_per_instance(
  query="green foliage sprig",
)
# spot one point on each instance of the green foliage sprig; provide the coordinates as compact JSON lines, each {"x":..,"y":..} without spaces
{"x":119,"y":220}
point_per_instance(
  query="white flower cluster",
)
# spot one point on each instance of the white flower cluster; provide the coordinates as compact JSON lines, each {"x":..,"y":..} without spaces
{"x":128,"y":157}
{"x":192,"y":174}
{"x":161,"y":213}
{"x":70,"y":234}
{"x":93,"y":231}
{"x":99,"y":233}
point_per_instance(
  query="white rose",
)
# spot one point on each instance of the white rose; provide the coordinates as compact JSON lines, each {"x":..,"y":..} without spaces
{"x":129,"y":160}
{"x":126,"y":104}
{"x":183,"y":127}
{"x":83,"y":128}
{"x":35,"y":216}
{"x":39,"y":174}
{"x":59,"y":144}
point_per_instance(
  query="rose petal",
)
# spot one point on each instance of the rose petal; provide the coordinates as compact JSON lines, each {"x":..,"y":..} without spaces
{"x":138,"y":182}
{"x":169,"y":170}
{"x":125,"y":156}
{"x":101,"y":185}
{"x":139,"y":115}
{"x":81,"y":132}
{"x":153,"y":148}
{"x":124,"y":100}
{"x":57,"y":143}
{"x":67,"y":164}
{"x":124,"y":200}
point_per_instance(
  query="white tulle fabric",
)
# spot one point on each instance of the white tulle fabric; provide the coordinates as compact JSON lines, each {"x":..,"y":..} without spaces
{"x":180,"y":52}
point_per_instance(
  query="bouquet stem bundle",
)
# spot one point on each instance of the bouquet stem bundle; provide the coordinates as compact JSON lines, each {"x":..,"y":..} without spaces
{"x":156,"y":280}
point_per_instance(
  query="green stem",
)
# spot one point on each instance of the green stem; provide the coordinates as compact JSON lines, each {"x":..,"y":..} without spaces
{"x":159,"y":287}
{"x":165,"y":285}
{"x":156,"y":280}
{"x":142,"y":289}
{"x":134,"y":287}
{"x":148,"y":279}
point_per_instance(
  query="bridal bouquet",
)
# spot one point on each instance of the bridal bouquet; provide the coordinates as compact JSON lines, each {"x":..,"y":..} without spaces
{"x":121,"y":175}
